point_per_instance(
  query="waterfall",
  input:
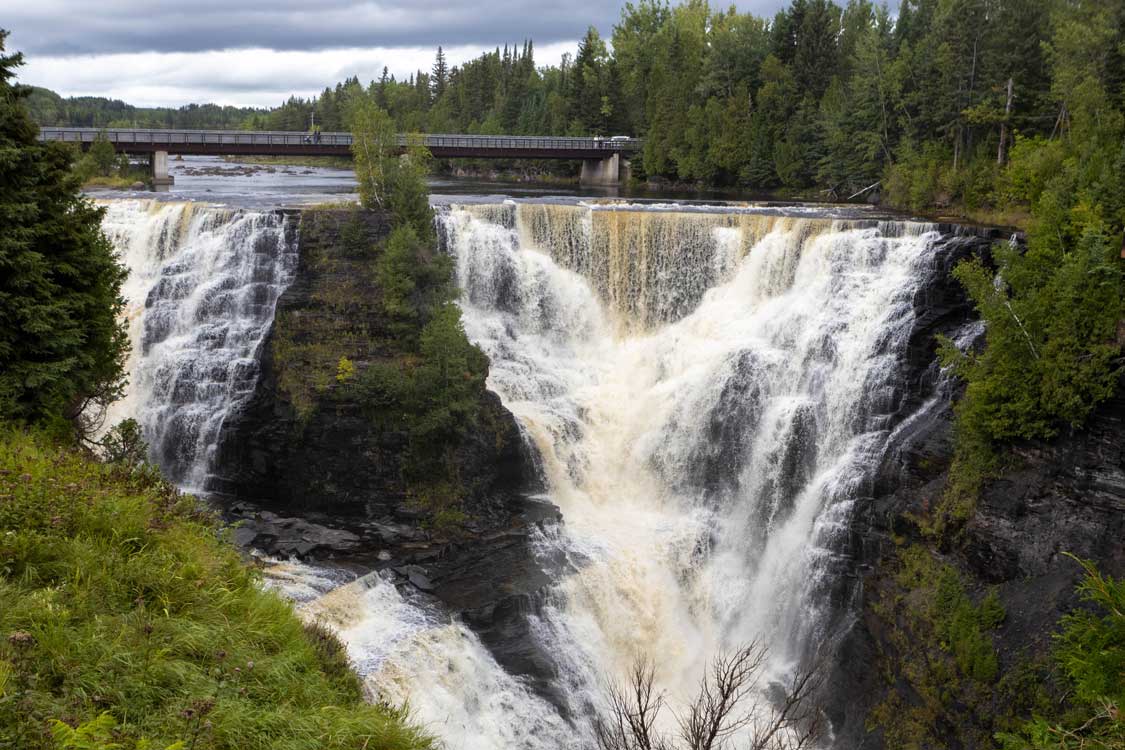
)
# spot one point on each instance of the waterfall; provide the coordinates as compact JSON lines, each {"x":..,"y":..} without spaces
{"x":710,"y":394}
{"x":203,"y":284}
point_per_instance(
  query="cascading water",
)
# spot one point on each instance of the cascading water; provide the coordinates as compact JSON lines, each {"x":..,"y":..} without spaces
{"x":709,"y":394}
{"x":203,"y":284}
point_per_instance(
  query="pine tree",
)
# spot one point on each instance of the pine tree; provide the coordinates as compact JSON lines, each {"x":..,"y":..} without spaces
{"x":440,"y":78}
{"x":62,"y":346}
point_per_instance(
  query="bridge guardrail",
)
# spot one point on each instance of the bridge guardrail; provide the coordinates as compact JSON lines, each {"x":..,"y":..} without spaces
{"x":152,"y":136}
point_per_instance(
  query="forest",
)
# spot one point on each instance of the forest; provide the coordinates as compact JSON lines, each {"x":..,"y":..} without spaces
{"x":932,"y":101}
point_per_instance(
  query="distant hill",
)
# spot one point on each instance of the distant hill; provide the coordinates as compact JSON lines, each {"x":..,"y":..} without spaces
{"x":50,"y":109}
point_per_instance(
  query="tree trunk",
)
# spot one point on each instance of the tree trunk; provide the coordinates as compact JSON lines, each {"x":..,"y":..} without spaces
{"x":1004,"y":126}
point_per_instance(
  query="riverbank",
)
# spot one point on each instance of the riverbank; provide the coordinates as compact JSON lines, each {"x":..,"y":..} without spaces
{"x":130,"y":618}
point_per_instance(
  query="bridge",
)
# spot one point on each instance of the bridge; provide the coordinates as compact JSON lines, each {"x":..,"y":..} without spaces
{"x":604,"y":160}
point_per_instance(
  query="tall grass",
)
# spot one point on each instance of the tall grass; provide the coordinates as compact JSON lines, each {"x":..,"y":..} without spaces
{"x":121,"y":599}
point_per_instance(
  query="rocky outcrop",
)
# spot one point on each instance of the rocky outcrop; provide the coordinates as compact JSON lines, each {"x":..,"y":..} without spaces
{"x":306,"y":471}
{"x":1062,"y":496}
{"x":304,"y":443}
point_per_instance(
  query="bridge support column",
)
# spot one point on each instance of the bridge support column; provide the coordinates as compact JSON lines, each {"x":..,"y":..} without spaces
{"x":606,"y":172}
{"x":159,"y":166}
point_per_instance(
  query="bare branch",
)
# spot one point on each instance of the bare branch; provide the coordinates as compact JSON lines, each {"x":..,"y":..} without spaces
{"x":730,"y":706}
{"x":633,"y":710}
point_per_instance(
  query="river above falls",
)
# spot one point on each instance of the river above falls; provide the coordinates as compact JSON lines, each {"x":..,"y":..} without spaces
{"x":246,"y":185}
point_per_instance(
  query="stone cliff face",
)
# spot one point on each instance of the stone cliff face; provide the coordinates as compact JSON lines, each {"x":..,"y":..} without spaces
{"x":309,"y":472}
{"x":893,"y":682}
{"x":303,"y":443}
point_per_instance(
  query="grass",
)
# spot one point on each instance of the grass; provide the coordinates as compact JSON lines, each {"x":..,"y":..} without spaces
{"x":113,"y":181}
{"x":126,"y":614}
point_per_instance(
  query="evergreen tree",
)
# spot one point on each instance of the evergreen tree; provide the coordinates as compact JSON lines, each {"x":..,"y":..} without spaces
{"x":62,"y":345}
{"x":439,"y":80}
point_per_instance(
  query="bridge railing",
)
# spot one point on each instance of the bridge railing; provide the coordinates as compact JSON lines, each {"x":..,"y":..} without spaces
{"x":155,"y":137}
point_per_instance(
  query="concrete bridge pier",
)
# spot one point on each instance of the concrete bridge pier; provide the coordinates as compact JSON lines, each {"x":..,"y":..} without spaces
{"x":159,"y":169}
{"x":610,"y":171}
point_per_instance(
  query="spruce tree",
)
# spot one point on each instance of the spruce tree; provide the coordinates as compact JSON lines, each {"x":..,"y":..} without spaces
{"x":62,"y":345}
{"x":440,"y":78}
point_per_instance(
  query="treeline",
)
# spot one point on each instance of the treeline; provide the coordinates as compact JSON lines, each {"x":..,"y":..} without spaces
{"x":836,"y":97}
{"x":499,"y":92}
{"x":821,"y":95}
{"x":49,"y":109}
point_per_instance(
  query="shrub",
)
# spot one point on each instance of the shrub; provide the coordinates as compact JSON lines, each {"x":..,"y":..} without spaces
{"x":345,"y":370}
{"x":414,"y":282}
{"x":1090,"y":652}
{"x":1051,"y":352}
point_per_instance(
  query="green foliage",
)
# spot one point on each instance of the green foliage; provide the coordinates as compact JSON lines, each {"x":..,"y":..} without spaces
{"x":126,"y":616}
{"x":414,"y":282}
{"x":1090,"y":652}
{"x":125,"y":444}
{"x":434,"y":396}
{"x":61,"y":343}
{"x":345,"y":370}
{"x":1051,"y":353}
{"x":943,"y":650}
{"x":390,"y":180}
{"x":98,"y":733}
{"x":961,"y":626}
{"x":102,"y":155}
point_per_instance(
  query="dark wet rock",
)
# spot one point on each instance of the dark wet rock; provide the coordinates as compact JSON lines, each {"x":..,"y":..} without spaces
{"x":286,"y":537}
{"x":1063,"y":495}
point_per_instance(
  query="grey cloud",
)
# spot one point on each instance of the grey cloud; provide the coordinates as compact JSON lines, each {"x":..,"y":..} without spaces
{"x":74,"y":27}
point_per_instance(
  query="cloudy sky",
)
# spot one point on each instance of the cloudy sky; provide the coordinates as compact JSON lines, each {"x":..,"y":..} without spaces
{"x":259,"y":52}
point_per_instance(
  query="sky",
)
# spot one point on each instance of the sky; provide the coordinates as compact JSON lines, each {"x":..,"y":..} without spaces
{"x":260,"y":52}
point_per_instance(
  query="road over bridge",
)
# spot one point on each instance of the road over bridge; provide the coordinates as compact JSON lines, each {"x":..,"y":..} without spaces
{"x":604,"y":160}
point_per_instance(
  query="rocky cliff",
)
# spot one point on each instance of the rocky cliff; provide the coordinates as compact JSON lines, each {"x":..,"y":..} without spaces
{"x":307,"y":470}
{"x":952,"y":631}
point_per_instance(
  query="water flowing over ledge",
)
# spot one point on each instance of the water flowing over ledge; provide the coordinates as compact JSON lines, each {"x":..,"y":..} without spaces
{"x":708,"y":394}
{"x":203,"y":284}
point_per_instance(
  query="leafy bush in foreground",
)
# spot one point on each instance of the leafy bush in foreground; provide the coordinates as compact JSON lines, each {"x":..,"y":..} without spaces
{"x":1090,"y":652}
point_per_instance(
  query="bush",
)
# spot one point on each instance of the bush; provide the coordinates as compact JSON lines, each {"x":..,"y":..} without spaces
{"x":1051,"y":354}
{"x":414,"y":282}
{"x":119,"y":597}
{"x":1032,"y":163}
{"x":1090,"y":652}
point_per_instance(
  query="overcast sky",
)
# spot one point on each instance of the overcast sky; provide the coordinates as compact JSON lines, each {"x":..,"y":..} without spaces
{"x":259,"y":52}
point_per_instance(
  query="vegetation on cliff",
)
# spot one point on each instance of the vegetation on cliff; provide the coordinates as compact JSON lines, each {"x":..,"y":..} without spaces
{"x":124,"y":611}
{"x":378,"y":331}
{"x":433,"y":389}
{"x":1055,"y":314}
{"x":1089,"y":653}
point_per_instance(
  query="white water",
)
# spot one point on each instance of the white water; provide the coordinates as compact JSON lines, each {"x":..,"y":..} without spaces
{"x":203,"y":284}
{"x":708,"y":394}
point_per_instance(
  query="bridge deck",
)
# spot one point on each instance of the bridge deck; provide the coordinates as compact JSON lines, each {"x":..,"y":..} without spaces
{"x":283,"y":143}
